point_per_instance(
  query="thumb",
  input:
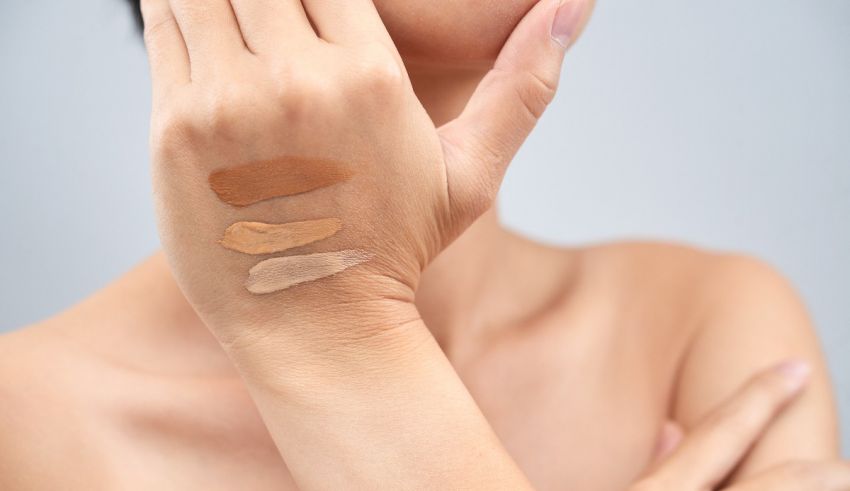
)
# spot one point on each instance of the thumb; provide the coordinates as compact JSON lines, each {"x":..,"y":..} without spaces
{"x":481,"y":142}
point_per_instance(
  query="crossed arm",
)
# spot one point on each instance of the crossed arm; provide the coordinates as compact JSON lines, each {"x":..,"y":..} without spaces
{"x":754,"y":319}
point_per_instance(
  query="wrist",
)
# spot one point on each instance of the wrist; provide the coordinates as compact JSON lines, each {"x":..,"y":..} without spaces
{"x":354,"y":304}
{"x":329,"y":345}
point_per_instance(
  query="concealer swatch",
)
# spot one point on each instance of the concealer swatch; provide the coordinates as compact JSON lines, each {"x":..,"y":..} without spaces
{"x":280,"y":273}
{"x":259,"y":181}
{"x":265,"y":238}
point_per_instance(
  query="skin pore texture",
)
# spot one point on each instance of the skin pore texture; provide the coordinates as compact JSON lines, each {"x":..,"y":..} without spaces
{"x":264,"y":238}
{"x":273,"y":275}
{"x":252,"y":183}
{"x":577,"y":357}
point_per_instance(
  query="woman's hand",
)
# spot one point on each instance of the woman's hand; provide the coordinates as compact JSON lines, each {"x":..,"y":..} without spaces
{"x":242,"y":82}
{"x":706,"y":458}
{"x":308,"y":102}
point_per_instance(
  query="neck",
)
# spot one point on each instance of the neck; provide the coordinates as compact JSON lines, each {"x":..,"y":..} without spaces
{"x":454,"y":289}
{"x":444,"y":90}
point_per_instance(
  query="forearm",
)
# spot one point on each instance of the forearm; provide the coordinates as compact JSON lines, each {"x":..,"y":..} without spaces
{"x":805,"y":431}
{"x":388,"y":413}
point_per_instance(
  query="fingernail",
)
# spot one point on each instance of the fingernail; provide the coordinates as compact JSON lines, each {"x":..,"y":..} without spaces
{"x":796,"y":373}
{"x":567,"y":21}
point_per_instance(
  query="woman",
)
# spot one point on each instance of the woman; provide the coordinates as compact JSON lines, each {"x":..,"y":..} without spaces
{"x":337,"y":306}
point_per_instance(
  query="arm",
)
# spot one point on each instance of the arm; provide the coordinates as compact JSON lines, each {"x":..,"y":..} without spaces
{"x":716,"y":444}
{"x":265,"y":119}
{"x":753,"y":319}
{"x":388,"y":412}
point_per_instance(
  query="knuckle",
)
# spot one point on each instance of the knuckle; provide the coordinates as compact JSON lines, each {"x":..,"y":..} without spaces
{"x":535,"y":92}
{"x":224,"y":108}
{"x":156,"y":17}
{"x":154,"y":25}
{"x":378,"y":72}
{"x":286,"y":80}
{"x":476,"y":176}
{"x":297,"y":93}
{"x":171,"y":128}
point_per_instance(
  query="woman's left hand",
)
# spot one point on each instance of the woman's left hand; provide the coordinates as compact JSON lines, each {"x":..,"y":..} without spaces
{"x":706,"y":457}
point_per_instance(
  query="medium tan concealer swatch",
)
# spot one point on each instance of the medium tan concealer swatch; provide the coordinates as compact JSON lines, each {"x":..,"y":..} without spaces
{"x":280,"y":273}
{"x":265,"y":238}
{"x":259,"y":181}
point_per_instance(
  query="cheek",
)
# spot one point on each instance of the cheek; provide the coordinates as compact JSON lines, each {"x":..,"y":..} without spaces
{"x":451,"y":31}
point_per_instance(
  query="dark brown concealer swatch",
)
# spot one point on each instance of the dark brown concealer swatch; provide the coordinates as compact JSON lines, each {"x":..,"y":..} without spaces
{"x":265,"y":238}
{"x":288,"y":176}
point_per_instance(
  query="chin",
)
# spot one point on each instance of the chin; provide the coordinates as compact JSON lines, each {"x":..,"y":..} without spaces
{"x":451,"y":32}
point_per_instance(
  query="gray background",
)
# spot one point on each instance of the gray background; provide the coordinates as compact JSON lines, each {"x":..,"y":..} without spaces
{"x":723,"y":123}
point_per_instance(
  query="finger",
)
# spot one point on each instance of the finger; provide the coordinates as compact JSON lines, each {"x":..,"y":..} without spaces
{"x":169,"y":60}
{"x":271,"y":26}
{"x":713,"y":449}
{"x":802,"y":476}
{"x":348,"y":22}
{"x":211,"y":32}
{"x":670,"y":438}
{"x":505,"y":107}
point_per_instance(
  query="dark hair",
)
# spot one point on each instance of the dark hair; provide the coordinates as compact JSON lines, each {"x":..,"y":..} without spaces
{"x":136,"y":7}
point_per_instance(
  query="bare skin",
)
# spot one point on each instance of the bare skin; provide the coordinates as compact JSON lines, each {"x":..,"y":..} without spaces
{"x":576,"y":357}
{"x":129,"y":390}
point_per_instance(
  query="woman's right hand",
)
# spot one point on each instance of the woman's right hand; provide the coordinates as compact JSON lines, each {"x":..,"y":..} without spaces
{"x":261,"y":105}
{"x":710,"y":453}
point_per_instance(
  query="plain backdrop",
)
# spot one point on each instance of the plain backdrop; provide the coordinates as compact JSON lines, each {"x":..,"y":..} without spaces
{"x":724,"y":124}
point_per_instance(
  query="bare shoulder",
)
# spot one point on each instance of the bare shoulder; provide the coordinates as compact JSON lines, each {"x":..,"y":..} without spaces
{"x":678,"y":279}
{"x":682,"y":259}
{"x":665,"y":290}
{"x":706,"y":285}
{"x":28,"y":364}
{"x":723,"y":301}
{"x":725,"y":316}
{"x":38,"y":416}
{"x":739,"y":315}
{"x":23,"y":373}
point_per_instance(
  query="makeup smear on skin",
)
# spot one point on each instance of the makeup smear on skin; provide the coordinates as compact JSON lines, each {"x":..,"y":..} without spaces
{"x":259,"y":181}
{"x":265,"y":238}
{"x":274,"y":275}
{"x":252,"y":183}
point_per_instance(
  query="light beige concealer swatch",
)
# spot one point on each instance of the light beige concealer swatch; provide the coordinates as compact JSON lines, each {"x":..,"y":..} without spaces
{"x":265,"y":238}
{"x":280,"y":273}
